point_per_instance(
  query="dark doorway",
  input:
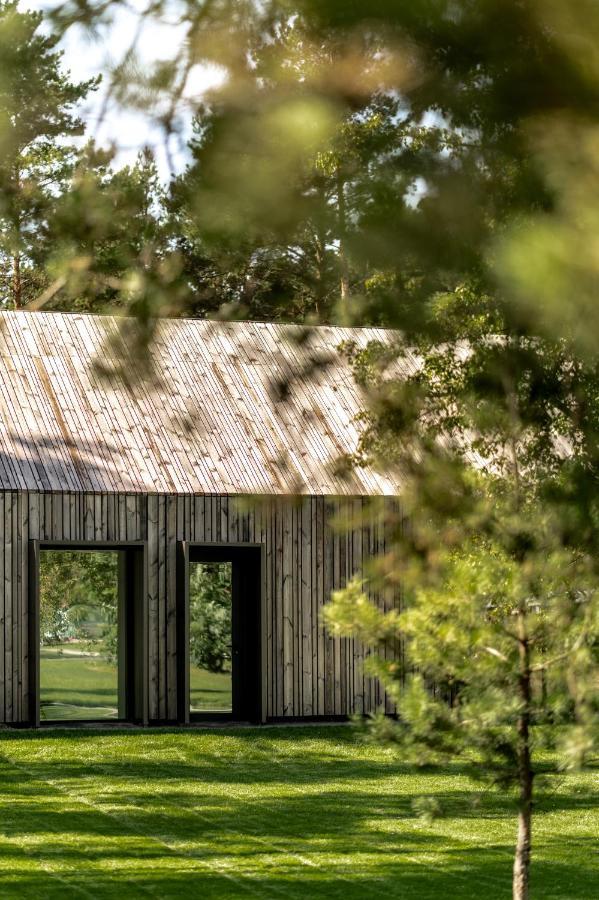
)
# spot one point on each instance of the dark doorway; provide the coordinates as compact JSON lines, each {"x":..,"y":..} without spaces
{"x":87,"y":632}
{"x":210,"y":637}
{"x":219,"y":645}
{"x":79,"y":635}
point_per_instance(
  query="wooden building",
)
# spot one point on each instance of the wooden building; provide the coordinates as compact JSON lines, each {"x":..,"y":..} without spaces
{"x":197,"y":458}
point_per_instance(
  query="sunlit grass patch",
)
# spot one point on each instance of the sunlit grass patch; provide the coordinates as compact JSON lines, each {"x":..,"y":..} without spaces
{"x":294,"y":812}
{"x":80,"y":683}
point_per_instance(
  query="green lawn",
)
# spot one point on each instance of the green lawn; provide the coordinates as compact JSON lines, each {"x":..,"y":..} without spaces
{"x":295,"y":812}
{"x":209,"y":690}
{"x":76,"y":684}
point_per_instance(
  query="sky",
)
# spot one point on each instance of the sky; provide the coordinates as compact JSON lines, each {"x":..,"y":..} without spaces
{"x":128,"y":130}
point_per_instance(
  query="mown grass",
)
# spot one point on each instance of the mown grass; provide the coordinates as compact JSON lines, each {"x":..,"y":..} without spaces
{"x":305,"y":812}
{"x":77,"y":685}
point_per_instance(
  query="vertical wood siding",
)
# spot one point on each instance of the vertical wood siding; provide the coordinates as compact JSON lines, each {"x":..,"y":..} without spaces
{"x":308,"y":672}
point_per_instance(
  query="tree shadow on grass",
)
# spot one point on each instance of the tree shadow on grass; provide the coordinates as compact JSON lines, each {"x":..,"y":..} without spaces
{"x":423,"y":870}
{"x":187,"y":883}
{"x":318,"y":824}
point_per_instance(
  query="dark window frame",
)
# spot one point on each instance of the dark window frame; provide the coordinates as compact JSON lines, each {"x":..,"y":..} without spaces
{"x":133,"y":667}
{"x":249,"y":644}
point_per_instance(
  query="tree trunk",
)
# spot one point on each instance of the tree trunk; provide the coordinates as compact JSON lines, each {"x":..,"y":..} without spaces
{"x":17,"y":284}
{"x":520,"y":882}
{"x":17,"y":281}
{"x":523,"y":843}
{"x":344,"y":266}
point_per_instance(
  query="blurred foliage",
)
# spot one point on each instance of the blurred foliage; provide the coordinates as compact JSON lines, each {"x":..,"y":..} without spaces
{"x":110,"y":236}
{"x":429,"y":166}
{"x":357,"y":161}
{"x":210,"y":616}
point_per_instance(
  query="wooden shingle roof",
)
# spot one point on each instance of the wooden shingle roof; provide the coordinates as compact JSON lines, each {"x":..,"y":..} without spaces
{"x":209,"y":422}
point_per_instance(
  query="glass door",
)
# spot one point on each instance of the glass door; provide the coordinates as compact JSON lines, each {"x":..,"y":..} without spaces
{"x":219,"y":632}
{"x":210,"y":637}
{"x":78,"y":634}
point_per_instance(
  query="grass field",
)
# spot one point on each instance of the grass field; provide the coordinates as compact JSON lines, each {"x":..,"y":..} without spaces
{"x":296,"y":812}
{"x":78,"y":685}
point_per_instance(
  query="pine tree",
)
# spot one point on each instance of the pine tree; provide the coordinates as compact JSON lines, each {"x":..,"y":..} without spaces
{"x":493,"y":551}
{"x":282,"y":242}
{"x":109,"y":236}
{"x":38,"y":151}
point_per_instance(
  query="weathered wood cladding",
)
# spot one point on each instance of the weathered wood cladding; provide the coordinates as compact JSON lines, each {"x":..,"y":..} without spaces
{"x":211,"y":419}
{"x":308,"y":672}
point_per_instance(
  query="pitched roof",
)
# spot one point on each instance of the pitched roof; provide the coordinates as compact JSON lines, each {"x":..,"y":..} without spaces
{"x":211,"y":423}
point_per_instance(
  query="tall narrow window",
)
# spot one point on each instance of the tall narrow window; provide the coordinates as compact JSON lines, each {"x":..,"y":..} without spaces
{"x":79,"y":634}
{"x":210,"y":637}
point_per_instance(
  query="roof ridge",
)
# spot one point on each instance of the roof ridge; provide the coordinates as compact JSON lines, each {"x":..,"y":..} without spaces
{"x":217,"y":321}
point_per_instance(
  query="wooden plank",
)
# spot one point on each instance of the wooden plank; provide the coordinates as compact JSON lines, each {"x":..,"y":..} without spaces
{"x":206,"y":519}
{"x":73,"y":516}
{"x":201,"y":511}
{"x":289,"y":671}
{"x":296,"y":608}
{"x":309,"y":626}
{"x":110,"y":506}
{"x":56,"y":502}
{"x":8,"y":629}
{"x":180,"y":530}
{"x":99,"y":517}
{"x":374,"y":696}
{"x":33,"y":499}
{"x":188,"y":519}
{"x":343,"y":697}
{"x":132,"y":518}
{"x":14,"y":595}
{"x":234,"y":531}
{"x":171,"y":608}
{"x":356,"y":537}
{"x":222,"y":518}
{"x":331,"y":642}
{"x":268,"y":625}
{"x":279,"y":575}
{"x":33,"y":636}
{"x":80,"y":516}
{"x":3,"y":538}
{"x":183,"y":698}
{"x":122,"y":517}
{"x":87,"y":501}
{"x":23,"y":604}
{"x":153,"y":601}
{"x":161,"y":619}
{"x":319,"y":672}
{"x":214,"y":517}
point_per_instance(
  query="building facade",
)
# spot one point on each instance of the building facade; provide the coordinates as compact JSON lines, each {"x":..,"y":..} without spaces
{"x":221,"y":446}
